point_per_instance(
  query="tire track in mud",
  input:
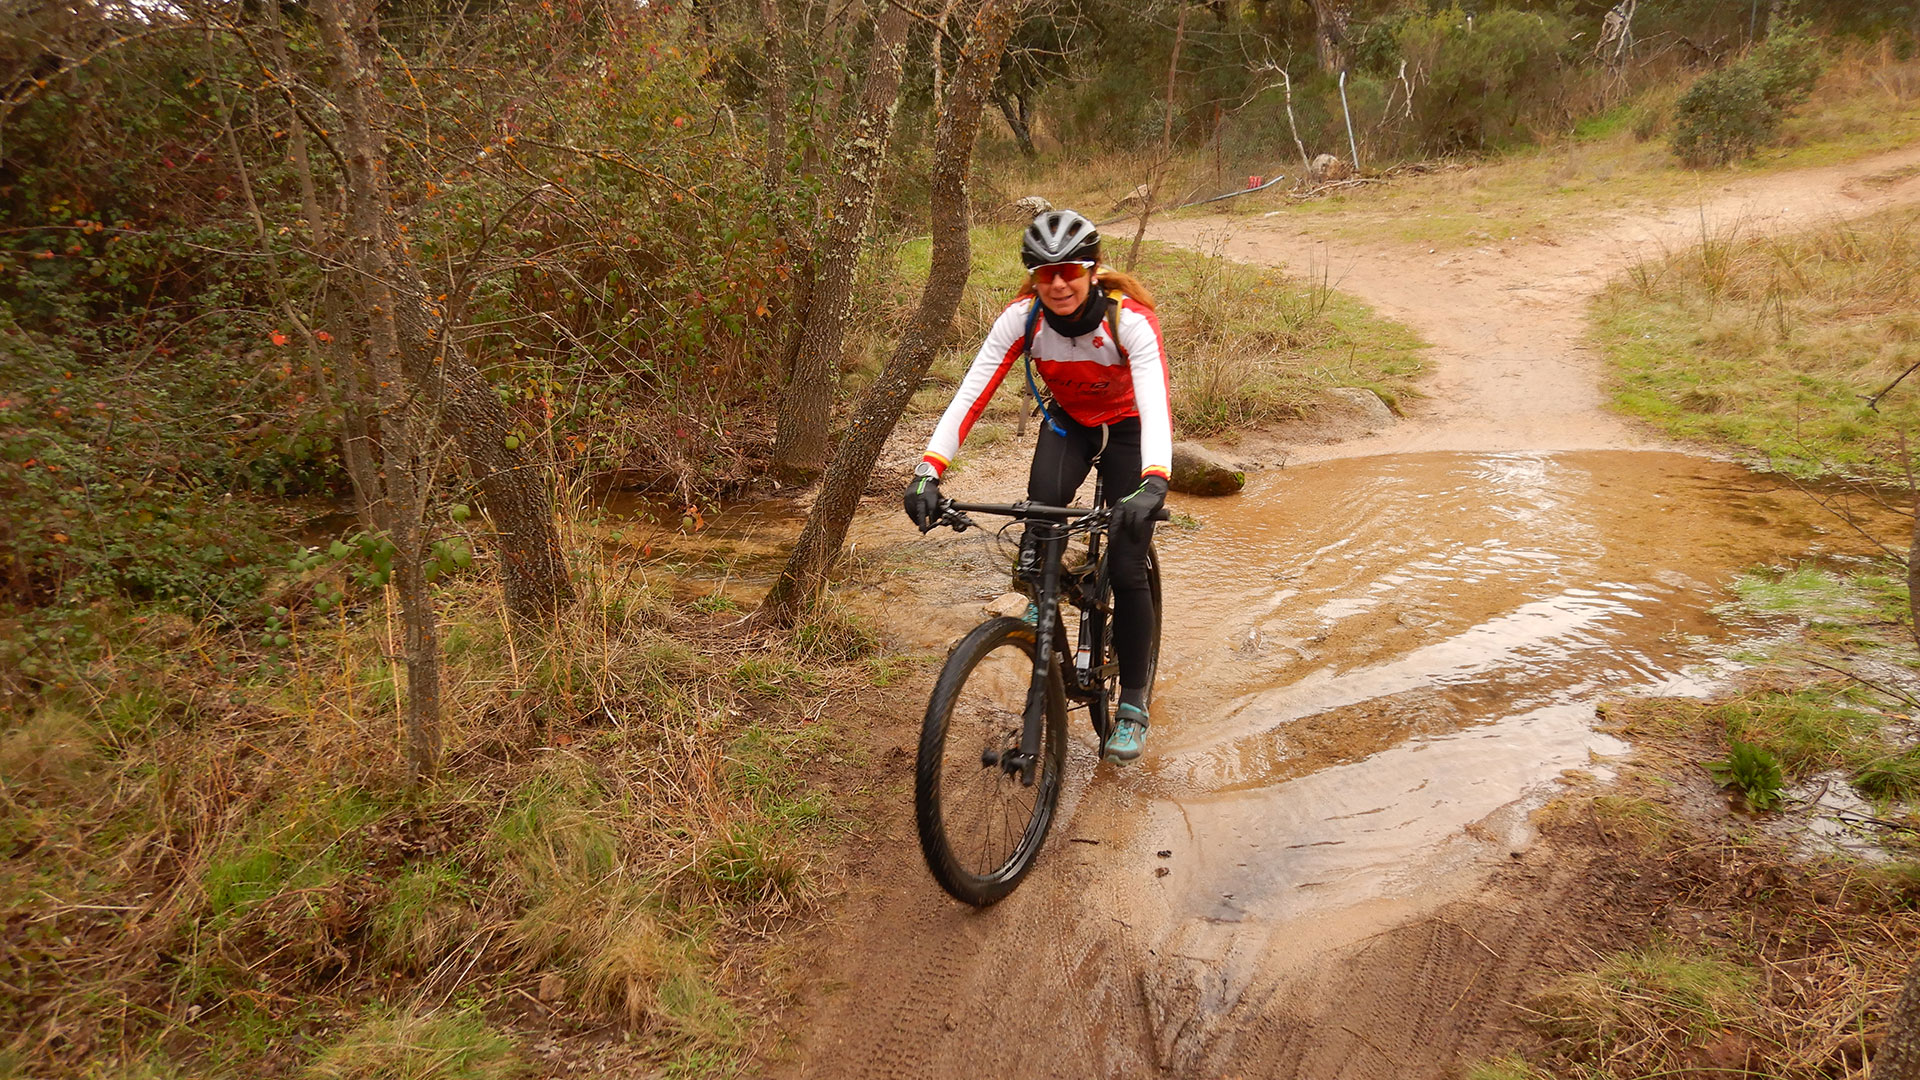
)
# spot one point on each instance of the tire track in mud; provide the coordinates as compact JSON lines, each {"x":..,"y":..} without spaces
{"x":1324,"y":912}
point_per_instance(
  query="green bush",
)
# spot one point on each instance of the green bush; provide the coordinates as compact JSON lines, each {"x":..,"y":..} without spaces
{"x":1485,"y":82}
{"x":1724,"y":115}
{"x":1788,"y":64}
{"x":1732,"y":112}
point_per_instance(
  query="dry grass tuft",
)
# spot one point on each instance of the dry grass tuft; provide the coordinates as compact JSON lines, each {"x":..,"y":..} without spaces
{"x":623,"y":973}
{"x":418,"y":1044}
{"x":1652,"y":1009}
{"x":1778,"y":344}
{"x":51,"y":754}
{"x":212,"y":848}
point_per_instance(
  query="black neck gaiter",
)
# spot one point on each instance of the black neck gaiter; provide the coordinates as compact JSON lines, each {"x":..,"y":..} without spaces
{"x":1082,"y":322}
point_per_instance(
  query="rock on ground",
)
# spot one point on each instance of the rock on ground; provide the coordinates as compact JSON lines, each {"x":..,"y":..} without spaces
{"x":1199,"y":471}
{"x":1326,"y":167}
{"x":1369,"y":403}
{"x":1030,"y":207}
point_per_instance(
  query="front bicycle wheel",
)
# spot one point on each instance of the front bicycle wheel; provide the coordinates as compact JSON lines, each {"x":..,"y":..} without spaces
{"x":980,"y":827}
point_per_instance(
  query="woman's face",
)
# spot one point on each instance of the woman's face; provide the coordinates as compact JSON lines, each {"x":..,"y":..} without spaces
{"x":1062,"y":297}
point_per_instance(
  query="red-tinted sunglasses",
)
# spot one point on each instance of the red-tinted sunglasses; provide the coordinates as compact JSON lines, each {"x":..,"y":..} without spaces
{"x":1066,"y":271}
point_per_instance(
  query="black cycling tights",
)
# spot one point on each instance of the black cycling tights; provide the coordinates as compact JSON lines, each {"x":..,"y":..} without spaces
{"x":1060,"y":463}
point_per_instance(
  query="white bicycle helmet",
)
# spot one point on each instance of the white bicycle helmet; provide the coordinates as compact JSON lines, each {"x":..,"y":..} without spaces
{"x":1059,"y":236}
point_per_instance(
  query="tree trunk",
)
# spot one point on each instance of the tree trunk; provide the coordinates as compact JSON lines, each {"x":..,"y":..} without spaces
{"x":296,"y":131}
{"x":407,"y":326}
{"x":351,"y":36}
{"x":514,"y":484}
{"x":774,"y":96}
{"x":879,"y":408}
{"x":1173,"y":77}
{"x":800,"y":440}
{"x":1899,"y":1055}
{"x":1017,"y":123}
{"x":1157,"y":172}
{"x":1330,"y":34}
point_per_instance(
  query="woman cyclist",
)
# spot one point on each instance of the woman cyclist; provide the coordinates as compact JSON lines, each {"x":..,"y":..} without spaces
{"x":1105,"y":405}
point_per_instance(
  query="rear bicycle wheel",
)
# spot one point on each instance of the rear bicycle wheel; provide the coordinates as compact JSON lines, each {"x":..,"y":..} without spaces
{"x":980,"y":827}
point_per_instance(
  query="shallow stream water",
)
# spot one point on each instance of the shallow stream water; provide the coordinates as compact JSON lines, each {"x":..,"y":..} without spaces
{"x":1369,"y":659}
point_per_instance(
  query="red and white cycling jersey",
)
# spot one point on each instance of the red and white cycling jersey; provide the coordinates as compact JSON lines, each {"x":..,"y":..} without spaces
{"x":1093,"y":379}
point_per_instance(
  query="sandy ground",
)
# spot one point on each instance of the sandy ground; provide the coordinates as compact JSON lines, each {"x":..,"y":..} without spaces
{"x":1512,"y":370}
{"x":1182,"y":920}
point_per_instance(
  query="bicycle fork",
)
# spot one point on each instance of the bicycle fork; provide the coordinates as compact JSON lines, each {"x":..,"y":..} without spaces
{"x":1047,"y":605}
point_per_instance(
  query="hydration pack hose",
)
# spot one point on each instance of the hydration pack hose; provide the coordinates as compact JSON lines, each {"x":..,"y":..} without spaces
{"x":1033,"y":324}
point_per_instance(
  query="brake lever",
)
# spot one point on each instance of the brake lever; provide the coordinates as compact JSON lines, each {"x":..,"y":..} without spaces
{"x":949,"y":517}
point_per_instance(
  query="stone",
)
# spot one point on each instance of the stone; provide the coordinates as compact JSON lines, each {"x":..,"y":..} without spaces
{"x":1010,"y":604}
{"x":1135,"y":199}
{"x":1199,"y":471}
{"x":1366,"y":401}
{"x":1326,"y":168}
{"x":1030,"y":207}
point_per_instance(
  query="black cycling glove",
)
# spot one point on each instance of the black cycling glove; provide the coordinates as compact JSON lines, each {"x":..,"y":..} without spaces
{"x":923,"y":501}
{"x":1133,"y":517}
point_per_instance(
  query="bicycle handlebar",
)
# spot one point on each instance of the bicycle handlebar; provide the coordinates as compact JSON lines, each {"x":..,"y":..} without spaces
{"x":952,"y":507}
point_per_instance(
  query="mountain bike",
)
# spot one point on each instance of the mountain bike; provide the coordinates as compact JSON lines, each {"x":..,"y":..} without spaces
{"x":993,"y":746}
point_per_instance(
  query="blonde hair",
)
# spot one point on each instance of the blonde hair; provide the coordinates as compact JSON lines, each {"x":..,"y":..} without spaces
{"x":1135,"y":289}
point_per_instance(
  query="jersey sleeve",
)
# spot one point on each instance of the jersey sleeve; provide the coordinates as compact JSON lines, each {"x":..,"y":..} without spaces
{"x":996,"y":357}
{"x":1152,"y":389}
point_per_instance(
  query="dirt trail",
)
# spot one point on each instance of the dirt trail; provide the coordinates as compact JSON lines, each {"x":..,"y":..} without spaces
{"x":1507,"y":321}
{"x":1373,"y":667}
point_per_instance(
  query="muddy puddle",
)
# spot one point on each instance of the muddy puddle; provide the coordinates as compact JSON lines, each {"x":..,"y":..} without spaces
{"x":1374,"y":667}
{"x":1373,"y":670}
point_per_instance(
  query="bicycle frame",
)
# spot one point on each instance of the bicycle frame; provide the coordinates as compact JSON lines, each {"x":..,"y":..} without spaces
{"x":1060,"y":522}
{"x":973,"y":751}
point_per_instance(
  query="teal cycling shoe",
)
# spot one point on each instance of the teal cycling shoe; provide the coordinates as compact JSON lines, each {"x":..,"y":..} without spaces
{"x":1032,"y":617}
{"x":1129,"y":736}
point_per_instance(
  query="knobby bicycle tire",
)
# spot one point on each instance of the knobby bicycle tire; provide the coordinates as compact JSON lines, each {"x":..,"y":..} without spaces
{"x":938,"y":761}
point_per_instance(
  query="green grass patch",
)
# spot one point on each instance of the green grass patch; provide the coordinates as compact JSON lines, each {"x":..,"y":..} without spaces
{"x":1822,"y":596}
{"x":295,"y":848}
{"x":1890,"y":778}
{"x":1808,"y":731}
{"x":419,"y":1044}
{"x":1777,"y":736}
{"x":771,"y":677}
{"x":752,"y":862}
{"x":1778,"y":346}
{"x":1648,"y":1005}
{"x":429,"y":909}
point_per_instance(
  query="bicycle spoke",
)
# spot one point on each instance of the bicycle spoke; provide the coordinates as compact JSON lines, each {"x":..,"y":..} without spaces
{"x":980,"y":800}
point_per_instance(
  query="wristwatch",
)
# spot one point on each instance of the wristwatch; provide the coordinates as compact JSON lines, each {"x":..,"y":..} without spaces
{"x":925,"y":468}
